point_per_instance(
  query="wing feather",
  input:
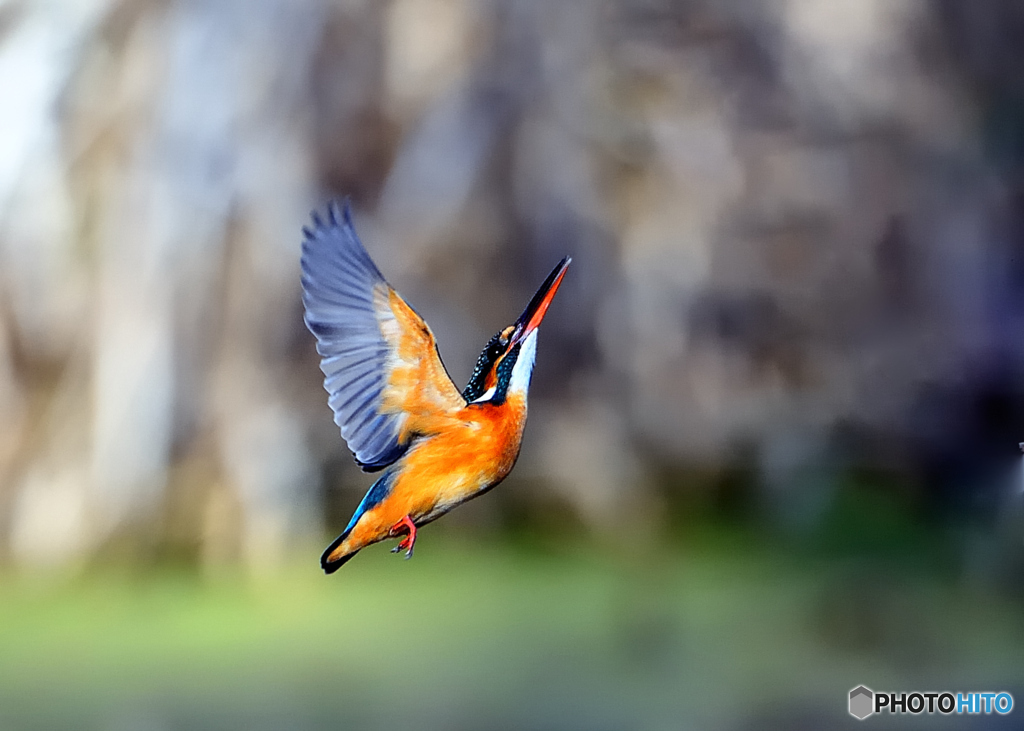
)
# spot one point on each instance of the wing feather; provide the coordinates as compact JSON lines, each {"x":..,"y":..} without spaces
{"x":384,"y":377}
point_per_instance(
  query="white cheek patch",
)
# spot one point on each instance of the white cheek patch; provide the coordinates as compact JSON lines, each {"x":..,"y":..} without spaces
{"x":487,"y":396}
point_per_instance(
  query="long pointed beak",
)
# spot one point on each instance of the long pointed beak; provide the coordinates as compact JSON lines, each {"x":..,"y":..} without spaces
{"x":533,"y":314}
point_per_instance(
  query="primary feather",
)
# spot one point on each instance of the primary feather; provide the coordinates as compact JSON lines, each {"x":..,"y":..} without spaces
{"x":380,"y":363}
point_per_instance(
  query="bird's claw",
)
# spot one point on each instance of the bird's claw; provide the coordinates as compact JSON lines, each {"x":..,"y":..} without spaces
{"x":407,"y":543}
{"x":404,"y":545}
{"x":399,"y":548}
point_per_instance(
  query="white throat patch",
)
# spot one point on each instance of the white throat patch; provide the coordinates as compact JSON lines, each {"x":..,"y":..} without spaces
{"x":522,"y":371}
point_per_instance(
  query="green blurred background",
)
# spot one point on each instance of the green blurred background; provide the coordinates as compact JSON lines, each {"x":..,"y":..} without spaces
{"x":772,"y":450}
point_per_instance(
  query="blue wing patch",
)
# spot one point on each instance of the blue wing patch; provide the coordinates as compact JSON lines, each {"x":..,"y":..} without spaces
{"x":339,"y":283}
{"x":374,"y":497}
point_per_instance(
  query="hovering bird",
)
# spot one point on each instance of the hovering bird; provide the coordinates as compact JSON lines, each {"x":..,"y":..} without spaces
{"x":393,"y":399}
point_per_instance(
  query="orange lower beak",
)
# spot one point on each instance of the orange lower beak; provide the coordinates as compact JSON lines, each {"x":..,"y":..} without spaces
{"x":533,"y":314}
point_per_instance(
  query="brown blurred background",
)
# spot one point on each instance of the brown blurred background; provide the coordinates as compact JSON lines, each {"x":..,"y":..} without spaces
{"x":792,"y":334}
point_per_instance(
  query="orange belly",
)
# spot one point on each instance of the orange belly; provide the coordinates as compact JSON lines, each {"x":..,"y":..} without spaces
{"x":475,"y":452}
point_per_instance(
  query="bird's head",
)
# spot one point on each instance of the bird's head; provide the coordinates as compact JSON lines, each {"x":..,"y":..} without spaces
{"x":506,"y":364}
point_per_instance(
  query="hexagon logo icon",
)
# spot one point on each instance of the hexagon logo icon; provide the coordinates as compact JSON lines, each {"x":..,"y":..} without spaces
{"x":861,"y":702}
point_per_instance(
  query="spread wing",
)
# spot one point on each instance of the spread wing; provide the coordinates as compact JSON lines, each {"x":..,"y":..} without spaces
{"x":381,"y":367}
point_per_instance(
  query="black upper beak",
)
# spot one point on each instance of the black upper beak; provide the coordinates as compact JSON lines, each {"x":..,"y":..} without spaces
{"x":534,"y":313}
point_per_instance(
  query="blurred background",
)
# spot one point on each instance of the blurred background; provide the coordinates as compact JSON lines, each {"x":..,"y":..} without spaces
{"x":772,"y":450}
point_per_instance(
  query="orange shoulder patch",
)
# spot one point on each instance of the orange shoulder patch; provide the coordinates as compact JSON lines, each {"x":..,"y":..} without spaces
{"x":417,"y":382}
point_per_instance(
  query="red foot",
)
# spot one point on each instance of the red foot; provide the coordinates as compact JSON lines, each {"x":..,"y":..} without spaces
{"x":407,"y":526}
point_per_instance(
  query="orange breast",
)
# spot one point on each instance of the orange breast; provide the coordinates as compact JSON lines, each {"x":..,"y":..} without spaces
{"x":475,"y":451}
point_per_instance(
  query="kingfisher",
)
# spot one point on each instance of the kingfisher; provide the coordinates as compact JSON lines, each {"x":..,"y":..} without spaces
{"x":397,"y":407}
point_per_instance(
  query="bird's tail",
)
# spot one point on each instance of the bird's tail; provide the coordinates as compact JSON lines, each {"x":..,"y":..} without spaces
{"x":337,"y":554}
